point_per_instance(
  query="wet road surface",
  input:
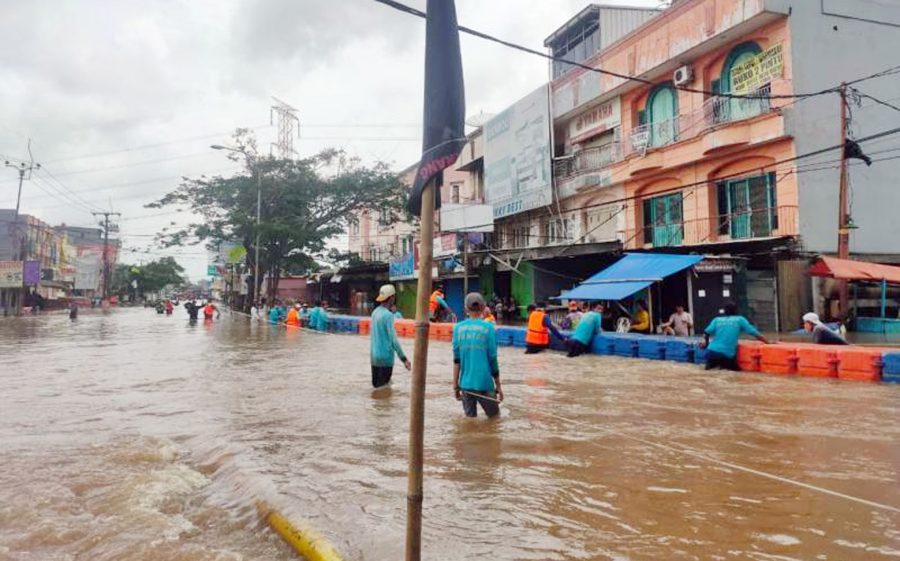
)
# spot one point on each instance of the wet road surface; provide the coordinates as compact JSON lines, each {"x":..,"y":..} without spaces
{"x":135,"y":436}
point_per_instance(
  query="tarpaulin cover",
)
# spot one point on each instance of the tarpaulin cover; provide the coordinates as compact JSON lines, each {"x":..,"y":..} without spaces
{"x":848,"y":269}
{"x":632,"y":273}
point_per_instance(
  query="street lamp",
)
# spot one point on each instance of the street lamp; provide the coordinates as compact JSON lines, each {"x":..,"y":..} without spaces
{"x":255,"y":161}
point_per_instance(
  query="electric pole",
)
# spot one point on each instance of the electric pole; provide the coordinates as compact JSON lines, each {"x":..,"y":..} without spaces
{"x":18,"y":240}
{"x":287,"y":122}
{"x":106,"y":227}
{"x":843,"y":246}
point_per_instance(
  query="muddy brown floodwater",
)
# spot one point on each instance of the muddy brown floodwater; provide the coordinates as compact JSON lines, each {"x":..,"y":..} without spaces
{"x":135,"y":436}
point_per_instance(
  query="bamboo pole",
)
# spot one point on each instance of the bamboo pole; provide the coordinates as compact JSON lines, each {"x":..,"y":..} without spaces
{"x":414,"y":494}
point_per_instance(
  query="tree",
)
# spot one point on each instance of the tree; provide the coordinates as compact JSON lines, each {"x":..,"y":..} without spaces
{"x":152,"y":277}
{"x":305,"y":202}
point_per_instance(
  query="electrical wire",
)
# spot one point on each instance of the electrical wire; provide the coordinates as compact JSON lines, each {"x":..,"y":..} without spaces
{"x":876,"y":100}
{"x":420,"y":14}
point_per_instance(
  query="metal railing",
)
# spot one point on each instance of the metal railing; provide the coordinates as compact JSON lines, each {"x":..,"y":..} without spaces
{"x":587,"y":160}
{"x":745,"y":224}
{"x":715,"y":111}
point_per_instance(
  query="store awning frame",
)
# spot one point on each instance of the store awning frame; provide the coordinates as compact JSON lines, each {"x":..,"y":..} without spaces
{"x":854,"y":271}
{"x":629,"y":275}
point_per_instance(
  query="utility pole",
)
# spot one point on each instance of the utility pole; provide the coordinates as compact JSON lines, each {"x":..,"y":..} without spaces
{"x":843,"y":246}
{"x":106,"y":227}
{"x":465,"y":265}
{"x":287,"y":121}
{"x":18,"y":241}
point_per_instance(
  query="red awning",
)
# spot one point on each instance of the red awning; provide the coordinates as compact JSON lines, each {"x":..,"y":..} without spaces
{"x":847,"y":269}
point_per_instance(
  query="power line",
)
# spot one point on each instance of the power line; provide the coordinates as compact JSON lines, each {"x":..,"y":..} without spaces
{"x":876,"y":100}
{"x":149,"y":146}
{"x":773,"y":167}
{"x":418,"y":13}
{"x":142,"y":182}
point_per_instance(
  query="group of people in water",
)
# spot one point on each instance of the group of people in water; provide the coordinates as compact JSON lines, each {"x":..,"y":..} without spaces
{"x":209,"y":309}
{"x":476,"y":371}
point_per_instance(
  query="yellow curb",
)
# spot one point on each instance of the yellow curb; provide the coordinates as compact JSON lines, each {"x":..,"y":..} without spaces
{"x":303,"y":539}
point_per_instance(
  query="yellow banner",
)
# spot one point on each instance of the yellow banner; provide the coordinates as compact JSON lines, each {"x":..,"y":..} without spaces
{"x":755,"y":73}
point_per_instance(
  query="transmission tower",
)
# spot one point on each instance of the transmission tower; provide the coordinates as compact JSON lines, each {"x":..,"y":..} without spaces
{"x":288,"y":122}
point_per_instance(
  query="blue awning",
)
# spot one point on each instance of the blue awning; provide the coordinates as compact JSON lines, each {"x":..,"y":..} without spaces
{"x":632,"y":273}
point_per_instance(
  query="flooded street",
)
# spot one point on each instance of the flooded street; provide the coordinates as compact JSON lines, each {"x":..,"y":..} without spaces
{"x":135,"y":436}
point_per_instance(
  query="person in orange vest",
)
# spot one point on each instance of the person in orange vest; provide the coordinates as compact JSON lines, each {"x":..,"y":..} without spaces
{"x":489,"y":315}
{"x":540,"y":326}
{"x":293,"y":317}
{"x":436,"y":304}
{"x":209,"y":309}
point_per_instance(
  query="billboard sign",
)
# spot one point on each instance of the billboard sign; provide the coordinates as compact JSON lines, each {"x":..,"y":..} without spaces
{"x":517,"y":158}
{"x":11,"y":274}
{"x":32,"y":273}
{"x":467,"y":218}
{"x":87,"y":271}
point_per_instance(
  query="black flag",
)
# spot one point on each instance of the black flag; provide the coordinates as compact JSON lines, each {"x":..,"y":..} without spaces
{"x":444,"y":133}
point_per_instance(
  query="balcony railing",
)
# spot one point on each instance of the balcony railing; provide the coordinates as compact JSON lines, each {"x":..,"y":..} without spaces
{"x":745,"y":224}
{"x":714,"y":112}
{"x":588,"y":160}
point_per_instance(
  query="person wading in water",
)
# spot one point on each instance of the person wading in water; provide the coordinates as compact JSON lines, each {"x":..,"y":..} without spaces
{"x":476,"y":373}
{"x":383,"y":339}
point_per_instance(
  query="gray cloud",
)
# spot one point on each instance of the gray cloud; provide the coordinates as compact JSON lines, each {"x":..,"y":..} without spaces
{"x":84,"y":78}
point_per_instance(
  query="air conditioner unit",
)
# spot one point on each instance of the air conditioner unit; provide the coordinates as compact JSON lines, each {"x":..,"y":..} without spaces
{"x":683,"y":76}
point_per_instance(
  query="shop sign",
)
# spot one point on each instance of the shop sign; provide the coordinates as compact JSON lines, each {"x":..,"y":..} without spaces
{"x":11,"y":274}
{"x":403,"y":268}
{"x":758,"y":71}
{"x":594,"y":121}
{"x":717,"y":266}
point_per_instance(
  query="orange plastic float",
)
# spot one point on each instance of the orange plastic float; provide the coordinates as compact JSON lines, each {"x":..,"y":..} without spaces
{"x":778,"y":359}
{"x":748,"y":356}
{"x":817,"y":361}
{"x":860,"y":363}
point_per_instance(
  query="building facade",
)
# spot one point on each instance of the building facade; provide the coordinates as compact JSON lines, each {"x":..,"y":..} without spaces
{"x":706,"y":151}
{"x":671,"y":162}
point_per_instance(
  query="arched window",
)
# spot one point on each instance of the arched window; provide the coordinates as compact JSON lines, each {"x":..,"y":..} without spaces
{"x":735,"y":109}
{"x":661,"y":115}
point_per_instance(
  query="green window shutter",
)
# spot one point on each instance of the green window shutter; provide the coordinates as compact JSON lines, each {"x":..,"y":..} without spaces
{"x":642,"y":117}
{"x":715,"y":85}
{"x":722,"y":196}
{"x":648,"y":221}
{"x":773,"y":198}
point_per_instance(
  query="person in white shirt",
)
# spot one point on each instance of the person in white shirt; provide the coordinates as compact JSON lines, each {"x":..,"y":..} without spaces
{"x":680,"y":323}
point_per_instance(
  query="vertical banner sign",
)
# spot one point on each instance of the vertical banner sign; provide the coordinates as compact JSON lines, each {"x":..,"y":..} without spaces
{"x":11,"y":274}
{"x":517,"y":156}
{"x":31,"y":273}
{"x":444,"y":133}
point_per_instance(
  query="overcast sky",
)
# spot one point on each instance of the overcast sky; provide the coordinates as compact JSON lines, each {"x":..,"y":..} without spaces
{"x":120,"y":99}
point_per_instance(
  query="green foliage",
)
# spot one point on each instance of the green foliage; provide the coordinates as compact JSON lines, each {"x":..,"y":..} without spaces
{"x":152,"y":277}
{"x":304,"y":203}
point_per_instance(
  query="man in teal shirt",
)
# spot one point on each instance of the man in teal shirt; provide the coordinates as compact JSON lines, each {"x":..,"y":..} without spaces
{"x":383,"y":339}
{"x":476,"y":374}
{"x":725,"y":331}
{"x":318,"y":317}
{"x":588,"y":327}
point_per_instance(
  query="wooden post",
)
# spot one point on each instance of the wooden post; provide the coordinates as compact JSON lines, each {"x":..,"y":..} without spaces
{"x":414,"y":494}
